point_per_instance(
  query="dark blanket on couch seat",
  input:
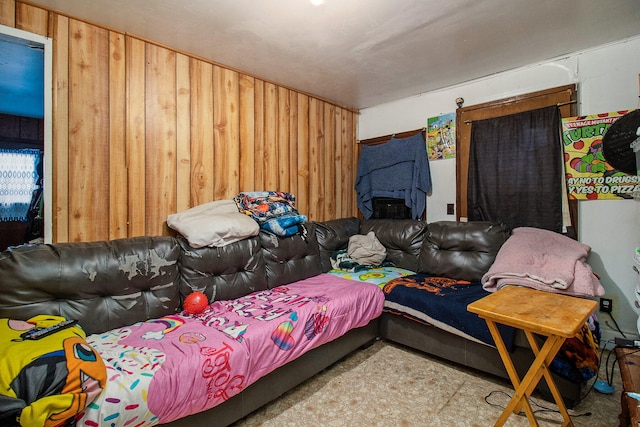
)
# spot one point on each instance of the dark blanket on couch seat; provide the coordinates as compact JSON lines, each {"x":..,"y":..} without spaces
{"x":442,"y":302}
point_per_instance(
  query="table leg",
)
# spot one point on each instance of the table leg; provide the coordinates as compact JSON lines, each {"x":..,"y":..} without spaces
{"x":547,"y":374}
{"x":534,"y":374}
{"x":513,"y":376}
{"x":538,"y":369}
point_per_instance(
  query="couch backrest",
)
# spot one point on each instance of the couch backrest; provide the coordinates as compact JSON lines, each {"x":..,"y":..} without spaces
{"x":401,"y":237}
{"x":333,"y":235}
{"x":225,"y":272}
{"x":104,"y":285}
{"x":461,"y":250}
{"x":109,"y":284}
{"x":289,"y":259}
{"x":249,"y":265}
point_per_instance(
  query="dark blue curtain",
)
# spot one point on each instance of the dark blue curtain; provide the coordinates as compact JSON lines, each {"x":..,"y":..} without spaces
{"x":515,"y":170}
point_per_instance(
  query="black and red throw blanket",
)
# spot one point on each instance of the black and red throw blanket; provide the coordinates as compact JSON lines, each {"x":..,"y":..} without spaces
{"x":442,"y":302}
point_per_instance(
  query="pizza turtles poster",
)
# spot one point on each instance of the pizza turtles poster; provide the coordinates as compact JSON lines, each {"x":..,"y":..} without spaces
{"x":589,"y":175}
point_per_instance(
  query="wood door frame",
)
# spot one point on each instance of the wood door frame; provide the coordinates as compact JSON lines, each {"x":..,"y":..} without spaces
{"x":565,"y":97}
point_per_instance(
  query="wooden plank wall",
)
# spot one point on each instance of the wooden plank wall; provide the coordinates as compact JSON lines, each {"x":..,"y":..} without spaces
{"x":141,"y":131}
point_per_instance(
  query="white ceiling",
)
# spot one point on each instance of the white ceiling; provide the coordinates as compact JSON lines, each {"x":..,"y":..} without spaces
{"x":361,"y":53}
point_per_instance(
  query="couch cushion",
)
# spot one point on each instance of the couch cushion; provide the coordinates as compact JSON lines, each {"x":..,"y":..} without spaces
{"x":222,"y":273}
{"x":403,"y":239}
{"x":104,"y":285}
{"x":289,"y":259}
{"x":461,"y":250}
{"x":334,"y":235}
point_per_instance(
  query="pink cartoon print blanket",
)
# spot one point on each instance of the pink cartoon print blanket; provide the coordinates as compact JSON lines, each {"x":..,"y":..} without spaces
{"x":171,"y":367}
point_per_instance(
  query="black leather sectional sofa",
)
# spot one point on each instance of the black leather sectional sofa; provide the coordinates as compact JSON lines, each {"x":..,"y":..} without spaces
{"x":110,"y":284}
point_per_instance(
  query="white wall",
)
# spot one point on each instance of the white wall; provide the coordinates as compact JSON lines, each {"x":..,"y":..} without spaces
{"x":607,"y":78}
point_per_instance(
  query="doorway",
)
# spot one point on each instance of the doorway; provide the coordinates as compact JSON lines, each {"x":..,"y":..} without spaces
{"x":25,"y":134}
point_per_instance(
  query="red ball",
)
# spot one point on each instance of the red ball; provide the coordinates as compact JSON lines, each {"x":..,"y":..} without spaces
{"x":195,"y":303}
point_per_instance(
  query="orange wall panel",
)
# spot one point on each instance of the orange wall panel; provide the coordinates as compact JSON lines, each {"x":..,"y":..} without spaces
{"x":160,"y":136}
{"x":88,"y":132}
{"x":141,"y":131}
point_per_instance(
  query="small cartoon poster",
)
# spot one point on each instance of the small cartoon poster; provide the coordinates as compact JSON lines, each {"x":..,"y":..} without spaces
{"x":589,"y":175}
{"x":441,"y":137}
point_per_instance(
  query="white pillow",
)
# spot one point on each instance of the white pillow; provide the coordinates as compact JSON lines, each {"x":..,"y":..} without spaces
{"x":215,"y":223}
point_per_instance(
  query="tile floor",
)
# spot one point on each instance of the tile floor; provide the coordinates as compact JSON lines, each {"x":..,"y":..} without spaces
{"x":390,"y":385}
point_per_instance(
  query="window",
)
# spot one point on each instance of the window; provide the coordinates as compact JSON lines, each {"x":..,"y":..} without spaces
{"x":19,"y":178}
{"x":564,"y":97}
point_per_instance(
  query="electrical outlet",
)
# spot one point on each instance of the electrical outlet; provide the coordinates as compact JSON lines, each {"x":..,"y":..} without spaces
{"x":450,"y":209}
{"x":606,"y":305}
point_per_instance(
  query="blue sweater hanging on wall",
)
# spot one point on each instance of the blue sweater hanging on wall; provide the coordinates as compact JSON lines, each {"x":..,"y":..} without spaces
{"x":398,"y":169}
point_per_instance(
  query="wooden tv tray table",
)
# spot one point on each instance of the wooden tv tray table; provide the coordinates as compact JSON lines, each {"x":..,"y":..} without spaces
{"x":554,"y":316}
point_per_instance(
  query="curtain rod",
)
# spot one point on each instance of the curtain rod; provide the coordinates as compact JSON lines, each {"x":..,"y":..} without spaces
{"x":560,"y":104}
{"x":385,"y":138}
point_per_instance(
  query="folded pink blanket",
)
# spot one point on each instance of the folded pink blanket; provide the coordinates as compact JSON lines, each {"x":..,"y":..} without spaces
{"x":545,"y":260}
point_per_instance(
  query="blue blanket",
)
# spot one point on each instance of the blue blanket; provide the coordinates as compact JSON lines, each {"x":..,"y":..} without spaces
{"x":398,"y":169}
{"x":285,"y":225}
{"x":274,"y":211}
{"x":443,"y":302}
{"x":426,"y":298}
